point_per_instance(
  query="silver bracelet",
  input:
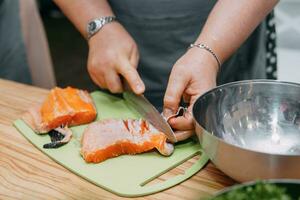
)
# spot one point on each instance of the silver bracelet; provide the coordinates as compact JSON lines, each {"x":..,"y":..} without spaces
{"x":203,"y":46}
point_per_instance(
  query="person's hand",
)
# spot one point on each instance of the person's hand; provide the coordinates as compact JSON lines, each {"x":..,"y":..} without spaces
{"x":112,"y":54}
{"x":192,"y":75}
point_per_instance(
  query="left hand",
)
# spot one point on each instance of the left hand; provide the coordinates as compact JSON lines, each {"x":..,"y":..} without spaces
{"x":191,"y":76}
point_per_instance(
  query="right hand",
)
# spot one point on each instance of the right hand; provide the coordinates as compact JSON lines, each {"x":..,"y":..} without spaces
{"x":114,"y":53}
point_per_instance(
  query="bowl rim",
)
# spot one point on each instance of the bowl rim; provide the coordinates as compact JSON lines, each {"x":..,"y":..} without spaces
{"x":264,"y":81}
{"x":250,"y":183}
{"x":238,"y":83}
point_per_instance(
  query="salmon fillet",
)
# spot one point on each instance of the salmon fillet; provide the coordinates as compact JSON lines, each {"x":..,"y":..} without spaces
{"x":113,"y":137}
{"x":67,"y":106}
{"x":62,"y":107}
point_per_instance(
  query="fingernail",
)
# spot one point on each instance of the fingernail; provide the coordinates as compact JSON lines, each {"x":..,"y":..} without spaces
{"x":140,"y":88}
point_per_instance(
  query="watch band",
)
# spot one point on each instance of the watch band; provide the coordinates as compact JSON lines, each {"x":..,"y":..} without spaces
{"x":96,"y":24}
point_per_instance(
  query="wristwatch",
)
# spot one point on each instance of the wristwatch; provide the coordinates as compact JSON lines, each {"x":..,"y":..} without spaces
{"x":96,"y":24}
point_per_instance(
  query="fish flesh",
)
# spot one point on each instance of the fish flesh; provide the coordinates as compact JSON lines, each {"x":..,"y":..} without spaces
{"x":62,"y":108}
{"x":67,"y":106}
{"x":109,"y":138}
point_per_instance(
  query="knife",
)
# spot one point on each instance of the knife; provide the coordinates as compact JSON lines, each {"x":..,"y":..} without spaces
{"x":149,"y":113}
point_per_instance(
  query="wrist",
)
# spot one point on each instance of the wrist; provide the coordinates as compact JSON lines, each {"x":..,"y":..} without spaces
{"x":206,"y":48}
{"x":205,"y":60}
{"x":95,"y":25}
{"x":105,"y":33}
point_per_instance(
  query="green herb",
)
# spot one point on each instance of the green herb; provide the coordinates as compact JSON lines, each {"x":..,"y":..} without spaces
{"x":259,"y":191}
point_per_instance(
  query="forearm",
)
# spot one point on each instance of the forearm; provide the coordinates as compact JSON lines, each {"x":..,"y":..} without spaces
{"x":80,"y":12}
{"x":231,"y":22}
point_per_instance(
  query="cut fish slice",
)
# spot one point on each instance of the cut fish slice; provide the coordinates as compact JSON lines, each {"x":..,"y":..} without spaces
{"x":113,"y":137}
{"x":62,"y":107}
{"x":67,"y":106}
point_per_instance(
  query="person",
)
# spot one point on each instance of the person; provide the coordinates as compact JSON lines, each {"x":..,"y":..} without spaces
{"x":24,"y":52}
{"x":147,"y":45}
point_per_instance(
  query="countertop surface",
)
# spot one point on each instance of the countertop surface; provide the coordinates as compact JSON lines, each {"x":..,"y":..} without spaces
{"x":27,"y":173}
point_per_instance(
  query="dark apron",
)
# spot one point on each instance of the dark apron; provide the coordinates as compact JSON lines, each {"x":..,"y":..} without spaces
{"x":163,"y":29}
{"x":13,"y":61}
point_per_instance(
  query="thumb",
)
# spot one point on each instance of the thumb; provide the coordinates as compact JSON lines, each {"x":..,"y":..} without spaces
{"x":176,"y":86}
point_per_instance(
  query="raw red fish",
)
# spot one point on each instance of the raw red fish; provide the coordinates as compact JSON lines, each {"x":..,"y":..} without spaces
{"x":113,"y":137}
{"x":62,"y":107}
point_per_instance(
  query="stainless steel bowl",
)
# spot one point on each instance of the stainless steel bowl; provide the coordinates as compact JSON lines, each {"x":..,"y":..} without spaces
{"x":251,"y":129}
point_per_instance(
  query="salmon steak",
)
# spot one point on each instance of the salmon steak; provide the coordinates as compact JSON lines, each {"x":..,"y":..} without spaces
{"x":63,"y":107}
{"x":110,"y":138}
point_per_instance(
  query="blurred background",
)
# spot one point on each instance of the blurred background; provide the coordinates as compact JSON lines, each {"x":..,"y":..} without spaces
{"x":287,"y":17}
{"x":69,"y":50}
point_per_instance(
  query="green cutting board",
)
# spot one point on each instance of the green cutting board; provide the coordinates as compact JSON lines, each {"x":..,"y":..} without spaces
{"x":125,"y":175}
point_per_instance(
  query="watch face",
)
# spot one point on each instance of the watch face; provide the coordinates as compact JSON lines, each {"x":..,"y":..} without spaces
{"x":92,"y":26}
{"x":95,"y":25}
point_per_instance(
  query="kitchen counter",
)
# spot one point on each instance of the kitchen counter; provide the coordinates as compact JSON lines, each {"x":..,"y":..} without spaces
{"x":27,"y":173}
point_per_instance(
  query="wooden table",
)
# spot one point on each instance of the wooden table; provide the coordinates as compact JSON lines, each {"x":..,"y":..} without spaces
{"x":26,"y":173}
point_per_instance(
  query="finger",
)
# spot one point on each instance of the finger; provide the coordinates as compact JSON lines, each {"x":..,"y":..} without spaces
{"x":98,"y":81}
{"x":96,"y":73}
{"x":134,"y":58}
{"x":184,"y":122}
{"x":183,"y":135}
{"x":186,"y":98}
{"x":132,"y":77}
{"x":176,"y":85}
{"x":113,"y":81}
{"x":193,"y":98}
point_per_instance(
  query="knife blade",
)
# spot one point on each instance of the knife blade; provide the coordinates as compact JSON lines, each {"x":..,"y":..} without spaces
{"x":149,"y":113}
